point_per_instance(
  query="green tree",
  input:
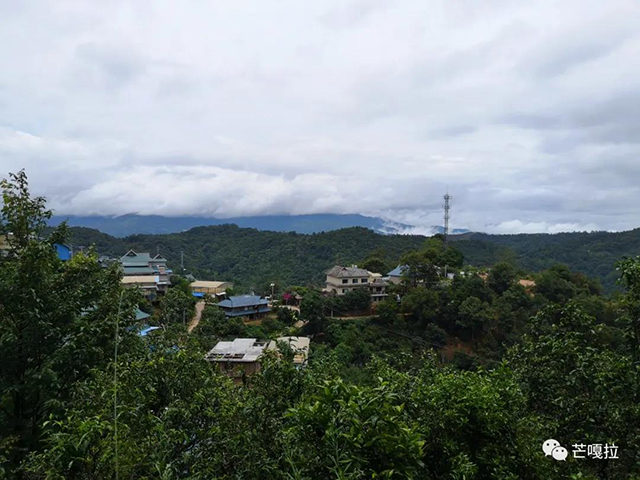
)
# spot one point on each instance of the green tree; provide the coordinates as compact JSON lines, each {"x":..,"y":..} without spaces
{"x":421,"y":304}
{"x":501,"y":277}
{"x":344,"y":431}
{"x":582,"y":389}
{"x":57,"y":320}
{"x":387,"y":312}
{"x":473,"y":315}
{"x":177,"y":307}
{"x":312,"y":311}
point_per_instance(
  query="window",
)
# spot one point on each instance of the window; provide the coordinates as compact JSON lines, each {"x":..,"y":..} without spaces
{"x":344,"y":290}
{"x":344,"y":280}
{"x":355,"y":280}
{"x":364,"y":280}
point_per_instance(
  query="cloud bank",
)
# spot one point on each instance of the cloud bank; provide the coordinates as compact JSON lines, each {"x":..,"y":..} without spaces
{"x":526,"y":112}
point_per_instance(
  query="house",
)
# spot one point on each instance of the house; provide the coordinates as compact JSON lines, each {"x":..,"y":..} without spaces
{"x":342,"y":280}
{"x":396,"y":275}
{"x":378,"y":288}
{"x":244,"y":306}
{"x":200,"y":288}
{"x":146,"y":272}
{"x":240,"y":358}
{"x":299,"y":345}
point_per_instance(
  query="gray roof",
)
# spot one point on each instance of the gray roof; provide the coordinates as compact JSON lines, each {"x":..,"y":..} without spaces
{"x":243,"y":301}
{"x":239,"y":351}
{"x":132,"y":258}
{"x":346,"y":272}
{"x":135,"y":270}
{"x":398,"y":271}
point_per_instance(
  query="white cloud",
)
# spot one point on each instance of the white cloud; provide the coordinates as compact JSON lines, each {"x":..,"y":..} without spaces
{"x":524,"y":111}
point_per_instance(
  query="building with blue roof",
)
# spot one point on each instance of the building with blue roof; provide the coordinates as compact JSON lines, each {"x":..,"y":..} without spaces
{"x":396,"y":275}
{"x":63,"y":251}
{"x":245,"y":306}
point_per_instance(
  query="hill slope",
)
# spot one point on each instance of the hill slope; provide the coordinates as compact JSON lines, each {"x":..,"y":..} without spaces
{"x":593,"y":254}
{"x":253,"y":258}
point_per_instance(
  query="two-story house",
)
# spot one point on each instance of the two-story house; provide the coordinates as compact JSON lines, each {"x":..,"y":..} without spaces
{"x":341,"y":280}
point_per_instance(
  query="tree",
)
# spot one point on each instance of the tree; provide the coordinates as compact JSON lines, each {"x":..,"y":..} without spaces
{"x":421,"y":304}
{"x":57,"y":320}
{"x":345,"y":431}
{"x":176,"y":307}
{"x":312,"y":311}
{"x":387,"y":312}
{"x":356,"y":300}
{"x":501,"y":277}
{"x":581,"y":388}
{"x":473,"y":314}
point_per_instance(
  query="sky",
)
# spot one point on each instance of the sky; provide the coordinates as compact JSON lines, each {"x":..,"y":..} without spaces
{"x":527,"y":113}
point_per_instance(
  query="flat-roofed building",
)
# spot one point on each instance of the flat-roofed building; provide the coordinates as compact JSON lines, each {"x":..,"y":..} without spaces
{"x":299,"y":346}
{"x":205,"y":287}
{"x":241,"y":357}
{"x":238,"y":359}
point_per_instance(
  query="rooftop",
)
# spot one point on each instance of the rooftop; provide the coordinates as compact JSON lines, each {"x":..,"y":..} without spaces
{"x":398,"y":271}
{"x":243,"y":301}
{"x":207,"y":284}
{"x":140,"y":279}
{"x":241,"y":350}
{"x":346,"y":272}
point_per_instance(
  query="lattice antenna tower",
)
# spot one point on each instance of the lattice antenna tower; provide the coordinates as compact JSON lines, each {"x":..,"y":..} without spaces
{"x":447,"y":207}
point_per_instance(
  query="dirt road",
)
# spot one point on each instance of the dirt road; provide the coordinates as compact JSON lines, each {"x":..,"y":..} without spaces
{"x":196,"y":318}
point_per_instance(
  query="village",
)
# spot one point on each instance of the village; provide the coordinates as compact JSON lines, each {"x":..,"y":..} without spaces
{"x":240,"y":357}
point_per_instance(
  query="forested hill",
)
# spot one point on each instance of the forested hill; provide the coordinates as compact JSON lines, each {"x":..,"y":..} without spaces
{"x":253,"y":258}
{"x":593,"y":254}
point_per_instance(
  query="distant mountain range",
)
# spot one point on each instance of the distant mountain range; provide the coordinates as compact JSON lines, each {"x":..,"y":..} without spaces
{"x":126,"y":225}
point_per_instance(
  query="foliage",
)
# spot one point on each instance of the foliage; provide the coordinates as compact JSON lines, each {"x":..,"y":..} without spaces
{"x":177,"y":306}
{"x":373,"y":402}
{"x":57,"y":321}
{"x":501,"y":277}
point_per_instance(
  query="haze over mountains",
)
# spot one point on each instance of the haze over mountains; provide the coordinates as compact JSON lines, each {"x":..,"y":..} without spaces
{"x":124,"y":225}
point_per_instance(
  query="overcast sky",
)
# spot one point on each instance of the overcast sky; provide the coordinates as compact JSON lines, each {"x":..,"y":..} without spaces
{"x":528,"y":112}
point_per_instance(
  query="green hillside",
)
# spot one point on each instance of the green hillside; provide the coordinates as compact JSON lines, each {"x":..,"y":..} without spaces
{"x":593,"y":254}
{"x":253,"y":258}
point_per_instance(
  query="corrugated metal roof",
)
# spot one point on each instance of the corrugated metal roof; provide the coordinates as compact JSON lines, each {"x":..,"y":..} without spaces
{"x":141,"y":279}
{"x":241,"y":350}
{"x":139,"y":270}
{"x":207,"y":284}
{"x":398,"y":271}
{"x":346,"y":272}
{"x":132,"y":258}
{"x":243,"y":301}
